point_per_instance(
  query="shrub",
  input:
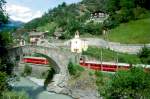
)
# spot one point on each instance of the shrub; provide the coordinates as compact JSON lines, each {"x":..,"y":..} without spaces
{"x":93,"y":28}
{"x":140,"y":13}
{"x":98,"y":73}
{"x":128,"y":84}
{"x":71,"y":68}
{"x":74,"y":69}
{"x":144,"y":55}
{"x":91,"y":73}
{"x":27,"y":70}
{"x":14,"y":95}
{"x":79,"y":68}
{"x":3,"y":82}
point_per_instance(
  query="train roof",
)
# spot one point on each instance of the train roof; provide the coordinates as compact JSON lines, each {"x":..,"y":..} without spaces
{"x":34,"y":57}
{"x":119,"y":64}
{"x":110,"y":63}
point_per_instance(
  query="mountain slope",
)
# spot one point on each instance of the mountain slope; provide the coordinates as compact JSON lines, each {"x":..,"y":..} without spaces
{"x":132,"y":32}
{"x":11,"y":24}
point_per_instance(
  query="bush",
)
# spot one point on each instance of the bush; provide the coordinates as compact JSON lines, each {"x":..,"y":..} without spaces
{"x":144,"y":55}
{"x":71,"y":68}
{"x":98,"y":73}
{"x":140,"y":13}
{"x":27,"y":70}
{"x":93,"y":28}
{"x":14,"y":95}
{"x":91,"y":73}
{"x":3,"y":82}
{"x":128,"y":84}
{"x":102,"y":81}
{"x":74,"y":69}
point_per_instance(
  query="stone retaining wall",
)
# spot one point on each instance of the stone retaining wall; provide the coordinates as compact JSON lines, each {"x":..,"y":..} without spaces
{"x":37,"y":70}
{"x":124,"y":48}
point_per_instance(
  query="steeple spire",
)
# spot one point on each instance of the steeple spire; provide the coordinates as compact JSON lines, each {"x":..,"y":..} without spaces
{"x":77,"y":34}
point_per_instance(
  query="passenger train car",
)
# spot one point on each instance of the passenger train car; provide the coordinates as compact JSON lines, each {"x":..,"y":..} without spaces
{"x":108,"y":66}
{"x":35,"y":60}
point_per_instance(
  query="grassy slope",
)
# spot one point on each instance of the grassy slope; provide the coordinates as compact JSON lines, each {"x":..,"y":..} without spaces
{"x":109,"y":55}
{"x":132,"y":32}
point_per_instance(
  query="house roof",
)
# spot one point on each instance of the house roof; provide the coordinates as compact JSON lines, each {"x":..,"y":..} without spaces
{"x":36,"y":33}
{"x":58,"y":34}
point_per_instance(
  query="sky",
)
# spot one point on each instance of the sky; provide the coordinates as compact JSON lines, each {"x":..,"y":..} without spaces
{"x":26,"y":10}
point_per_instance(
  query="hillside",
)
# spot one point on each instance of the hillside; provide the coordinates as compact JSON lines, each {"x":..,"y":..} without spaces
{"x":73,"y":17}
{"x":109,"y":55}
{"x":134,"y":32}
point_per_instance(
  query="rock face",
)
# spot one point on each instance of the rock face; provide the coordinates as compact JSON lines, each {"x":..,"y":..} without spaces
{"x":80,"y":87}
{"x":58,"y":83}
{"x":82,"y":94}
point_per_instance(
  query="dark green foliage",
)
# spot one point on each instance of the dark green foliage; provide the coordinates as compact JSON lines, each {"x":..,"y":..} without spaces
{"x":121,"y":11}
{"x":6,"y":66}
{"x":49,"y":77}
{"x":3,"y":16}
{"x":144,"y":55}
{"x":94,"y":5}
{"x":5,"y":63}
{"x":27,"y":70}
{"x":143,"y":3}
{"x":91,"y":73}
{"x":98,"y":73}
{"x":71,"y":68}
{"x":93,"y":28}
{"x":74,"y":69}
{"x":3,"y":82}
{"x":103,"y":82}
{"x":133,"y":84}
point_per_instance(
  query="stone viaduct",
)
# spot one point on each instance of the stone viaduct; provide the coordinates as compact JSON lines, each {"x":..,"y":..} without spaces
{"x":58,"y":56}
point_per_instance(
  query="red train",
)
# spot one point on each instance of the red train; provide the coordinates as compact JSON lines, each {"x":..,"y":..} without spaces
{"x":108,"y":66}
{"x":104,"y":66}
{"x":35,"y":60}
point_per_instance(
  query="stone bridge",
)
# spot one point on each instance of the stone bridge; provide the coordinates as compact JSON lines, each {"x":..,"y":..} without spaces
{"x":58,"y":57}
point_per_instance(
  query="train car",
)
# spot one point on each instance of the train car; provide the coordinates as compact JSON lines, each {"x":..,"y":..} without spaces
{"x":104,"y":66}
{"x":35,"y":60}
{"x":109,"y":66}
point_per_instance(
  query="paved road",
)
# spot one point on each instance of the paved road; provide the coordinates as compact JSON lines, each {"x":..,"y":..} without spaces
{"x":35,"y":91}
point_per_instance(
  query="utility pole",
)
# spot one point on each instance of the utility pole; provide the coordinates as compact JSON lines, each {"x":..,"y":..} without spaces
{"x":101,"y":59}
{"x":117,"y":60}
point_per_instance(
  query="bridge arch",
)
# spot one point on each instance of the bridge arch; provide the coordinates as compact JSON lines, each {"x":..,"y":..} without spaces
{"x":58,"y":56}
{"x":52,"y":62}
